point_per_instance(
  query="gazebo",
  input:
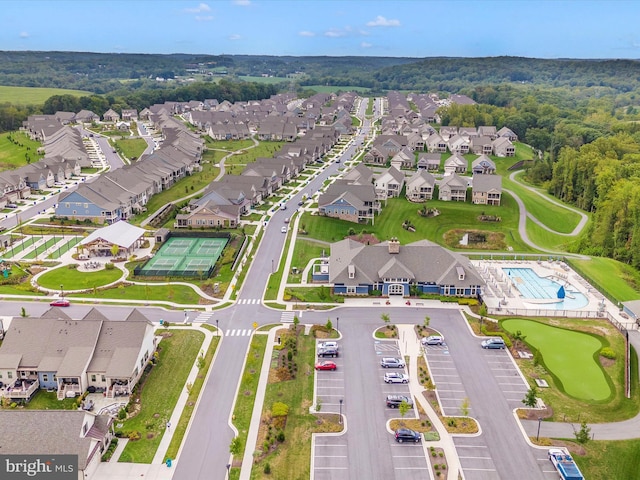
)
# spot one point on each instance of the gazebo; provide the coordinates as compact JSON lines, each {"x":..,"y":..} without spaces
{"x":125,"y":236}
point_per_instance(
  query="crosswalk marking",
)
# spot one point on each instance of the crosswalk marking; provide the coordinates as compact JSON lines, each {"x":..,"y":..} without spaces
{"x":249,"y":301}
{"x":237,"y":332}
{"x":204,"y":317}
{"x":287,"y":317}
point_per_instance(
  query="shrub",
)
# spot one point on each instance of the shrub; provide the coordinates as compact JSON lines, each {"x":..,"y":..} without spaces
{"x":607,"y":352}
{"x":267,"y":468}
{"x":122,"y":414}
{"x":279,"y":409}
{"x":280,"y":437}
{"x":109,"y":266}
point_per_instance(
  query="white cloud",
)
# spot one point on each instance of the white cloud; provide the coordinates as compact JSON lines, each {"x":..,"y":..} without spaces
{"x":235,"y":36}
{"x":203,"y":7}
{"x":305,"y":33}
{"x":243,"y":3}
{"x":24,"y":34}
{"x":381,"y":21}
{"x":366,"y":45}
{"x":335,"y":33}
{"x":204,"y":18}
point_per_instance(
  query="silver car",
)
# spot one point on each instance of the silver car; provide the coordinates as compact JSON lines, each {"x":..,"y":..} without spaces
{"x":392,"y":362}
{"x":393,"y":377}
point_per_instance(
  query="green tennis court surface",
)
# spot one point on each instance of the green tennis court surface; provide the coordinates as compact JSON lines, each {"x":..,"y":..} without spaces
{"x":185,"y":256}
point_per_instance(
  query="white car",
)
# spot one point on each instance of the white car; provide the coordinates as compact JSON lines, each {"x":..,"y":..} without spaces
{"x":392,"y":362}
{"x":283,"y":229}
{"x":433,"y":340}
{"x":393,"y":377}
{"x":322,"y":345}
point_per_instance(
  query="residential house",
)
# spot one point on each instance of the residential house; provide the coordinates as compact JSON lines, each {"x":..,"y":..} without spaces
{"x":488,"y":131}
{"x":395,"y":270}
{"x":110,"y":116}
{"x":69,"y":356}
{"x":429,"y":161}
{"x":210,"y":214}
{"x":404,"y":159}
{"x":359,"y":175}
{"x":389,"y":183}
{"x":436,"y":144}
{"x":483,"y":165}
{"x":481,"y":146}
{"x":375,"y":156}
{"x":57,"y":432}
{"x":448,"y":131}
{"x":353,"y":203}
{"x":416,"y":142}
{"x":455,"y":164}
{"x":420,"y":186}
{"x":502,"y":147}
{"x":129,"y":115}
{"x":459,"y":144}
{"x":86,"y":116}
{"x":486,"y":189}
{"x":453,"y":188}
{"x":507,"y":133}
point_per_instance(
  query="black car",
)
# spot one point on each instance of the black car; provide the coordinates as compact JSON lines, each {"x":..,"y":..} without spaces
{"x":407,"y":435}
{"x":328,"y":352}
{"x":394,"y":401}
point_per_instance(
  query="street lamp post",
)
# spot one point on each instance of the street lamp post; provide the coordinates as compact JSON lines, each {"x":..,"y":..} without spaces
{"x":217,"y":328}
{"x":340,"y":419}
{"x":61,"y":290}
{"x":228,"y":468}
{"x":338,"y":324}
{"x":538,"y":435}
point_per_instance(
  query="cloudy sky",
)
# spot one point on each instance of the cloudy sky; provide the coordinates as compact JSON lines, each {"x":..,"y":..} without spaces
{"x":399,"y":28}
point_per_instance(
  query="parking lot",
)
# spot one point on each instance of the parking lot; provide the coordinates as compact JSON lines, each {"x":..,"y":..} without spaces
{"x":331,"y":454}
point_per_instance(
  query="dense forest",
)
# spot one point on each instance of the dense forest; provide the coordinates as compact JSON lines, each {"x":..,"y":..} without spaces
{"x":581,"y":116}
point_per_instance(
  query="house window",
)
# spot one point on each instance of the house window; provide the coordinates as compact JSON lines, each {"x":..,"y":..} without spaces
{"x":351,"y":290}
{"x":67,"y":205}
{"x":86,"y":205}
{"x":45,"y":377}
{"x":9,"y":375}
{"x":93,"y":378}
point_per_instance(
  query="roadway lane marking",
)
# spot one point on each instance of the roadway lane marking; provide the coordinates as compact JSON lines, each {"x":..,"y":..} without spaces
{"x":330,"y":468}
{"x":330,"y":456}
{"x":331,"y":445}
{"x":409,"y":468}
{"x":476,"y":458}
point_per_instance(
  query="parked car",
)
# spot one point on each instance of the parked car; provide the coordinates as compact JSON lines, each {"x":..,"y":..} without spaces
{"x":283,"y":229}
{"x":393,"y":377}
{"x":407,"y":435}
{"x":326,"y":365}
{"x":433,"y":340}
{"x":284,"y":207}
{"x":60,"y":303}
{"x":329,"y":344}
{"x":11,"y":205}
{"x":328,"y":352}
{"x":287,"y":220}
{"x":392,"y":362}
{"x":493,"y":342}
{"x":394,"y":401}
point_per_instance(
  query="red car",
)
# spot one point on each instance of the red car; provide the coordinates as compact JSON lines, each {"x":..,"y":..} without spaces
{"x":61,"y":302}
{"x":326,"y":365}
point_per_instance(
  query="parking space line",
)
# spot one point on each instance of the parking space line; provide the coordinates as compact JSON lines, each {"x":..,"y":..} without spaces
{"x":480,"y":469}
{"x":331,"y":444}
{"x":476,"y":458}
{"x":331,"y":456}
{"x":409,"y":468}
{"x":509,"y":383}
{"x":330,"y":468}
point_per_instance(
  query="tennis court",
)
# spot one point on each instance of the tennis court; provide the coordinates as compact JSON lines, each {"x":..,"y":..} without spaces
{"x":185,"y":257}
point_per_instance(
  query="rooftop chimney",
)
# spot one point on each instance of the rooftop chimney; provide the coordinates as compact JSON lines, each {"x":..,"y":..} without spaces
{"x":394,"y":245}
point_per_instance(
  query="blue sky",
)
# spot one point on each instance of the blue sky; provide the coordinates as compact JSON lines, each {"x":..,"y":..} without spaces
{"x":398,"y":28}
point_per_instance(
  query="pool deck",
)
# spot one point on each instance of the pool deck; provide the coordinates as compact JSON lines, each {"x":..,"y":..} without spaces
{"x":503,"y":298}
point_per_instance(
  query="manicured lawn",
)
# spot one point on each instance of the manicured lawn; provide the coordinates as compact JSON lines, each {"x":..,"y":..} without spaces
{"x":44,"y":400}
{"x":74,"y":280}
{"x":548,"y":240}
{"x":12,"y":154}
{"x":160,"y":392}
{"x":570,"y":356}
{"x":172,"y":293}
{"x":228,"y":145}
{"x":264,"y":149}
{"x":131,"y":148}
{"x":453,"y":215}
{"x":34,"y":95}
{"x":618,"y":280}
{"x":303,"y":252}
{"x":609,"y":459}
{"x":189,"y":408}
{"x":247,"y":392}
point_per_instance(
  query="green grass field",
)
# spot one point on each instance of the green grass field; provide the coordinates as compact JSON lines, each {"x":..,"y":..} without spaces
{"x":163,"y":386}
{"x":609,"y":460}
{"x":618,"y":280}
{"x":180,"y":294}
{"x":34,"y":95}
{"x":14,"y":154}
{"x":74,"y":280}
{"x":571,"y":357}
{"x":131,"y":148}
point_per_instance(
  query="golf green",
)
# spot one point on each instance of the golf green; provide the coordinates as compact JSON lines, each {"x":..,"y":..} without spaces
{"x":568,"y":355}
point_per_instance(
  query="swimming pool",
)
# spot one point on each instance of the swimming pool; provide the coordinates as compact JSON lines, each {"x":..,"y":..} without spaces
{"x":539,"y":289}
